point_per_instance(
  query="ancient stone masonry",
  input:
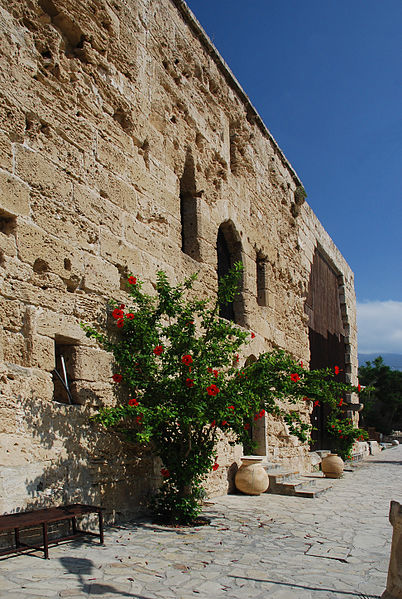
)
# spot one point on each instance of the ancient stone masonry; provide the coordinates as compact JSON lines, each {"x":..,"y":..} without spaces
{"x":127,"y":145}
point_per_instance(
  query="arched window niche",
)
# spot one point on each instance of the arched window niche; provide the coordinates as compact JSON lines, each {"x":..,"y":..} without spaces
{"x":189,"y":209}
{"x":229,"y":251}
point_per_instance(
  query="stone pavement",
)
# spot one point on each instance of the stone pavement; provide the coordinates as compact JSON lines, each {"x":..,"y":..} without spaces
{"x":334,"y":546}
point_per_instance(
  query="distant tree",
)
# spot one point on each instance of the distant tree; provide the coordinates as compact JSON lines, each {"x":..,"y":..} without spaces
{"x":383,"y":404}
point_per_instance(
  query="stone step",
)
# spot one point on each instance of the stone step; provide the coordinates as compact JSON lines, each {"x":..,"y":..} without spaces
{"x":292,"y":483}
{"x":311,"y":493}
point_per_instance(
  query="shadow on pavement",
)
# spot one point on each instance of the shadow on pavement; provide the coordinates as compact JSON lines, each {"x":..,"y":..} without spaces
{"x":82,"y":566}
{"x":397,"y":463}
{"x":337,"y":593}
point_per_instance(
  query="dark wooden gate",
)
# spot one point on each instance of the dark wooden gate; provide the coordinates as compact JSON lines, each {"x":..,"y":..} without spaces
{"x":326,"y":336}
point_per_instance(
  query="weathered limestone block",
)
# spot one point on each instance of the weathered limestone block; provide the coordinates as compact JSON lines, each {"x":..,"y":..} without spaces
{"x":14,"y":195}
{"x":60,"y":326}
{"x":36,"y":169}
{"x":42,"y":353}
{"x":394,"y":580}
{"x":6,"y":152}
{"x":115,"y":250}
{"x":46,"y":254}
{"x":91,"y":364}
{"x":14,"y":348}
{"x":94,"y":394}
{"x":98,"y":210}
{"x":100,"y":276}
{"x":11,"y":314}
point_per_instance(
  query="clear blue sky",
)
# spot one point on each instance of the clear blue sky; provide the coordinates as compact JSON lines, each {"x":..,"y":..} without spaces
{"x":325,"y":76}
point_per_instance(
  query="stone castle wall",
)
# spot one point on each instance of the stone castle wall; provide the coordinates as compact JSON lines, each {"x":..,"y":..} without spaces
{"x":109,"y":112}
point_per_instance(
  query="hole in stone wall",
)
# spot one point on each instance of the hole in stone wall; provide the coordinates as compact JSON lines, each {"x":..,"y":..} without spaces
{"x":8,"y":224}
{"x":64,"y":372}
{"x":40,"y":266}
{"x":67,"y":264}
{"x":124,"y":119}
{"x":2,"y":259}
{"x":72,"y":283}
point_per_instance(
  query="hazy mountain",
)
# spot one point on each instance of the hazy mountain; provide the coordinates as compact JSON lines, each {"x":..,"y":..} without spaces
{"x":392,"y":360}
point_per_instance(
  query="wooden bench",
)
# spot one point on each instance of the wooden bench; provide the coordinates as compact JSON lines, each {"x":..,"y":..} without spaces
{"x":45,"y":517}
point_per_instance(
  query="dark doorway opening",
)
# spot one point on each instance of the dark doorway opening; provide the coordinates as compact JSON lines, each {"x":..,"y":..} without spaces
{"x":326,"y":337}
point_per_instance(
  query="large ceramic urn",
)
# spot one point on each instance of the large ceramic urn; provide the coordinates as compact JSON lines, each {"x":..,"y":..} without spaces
{"x":332,"y":466}
{"x":251,"y":477}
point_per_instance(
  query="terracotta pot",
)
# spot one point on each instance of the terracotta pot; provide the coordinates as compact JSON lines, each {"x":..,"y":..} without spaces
{"x":251,"y":477}
{"x":332,"y":466}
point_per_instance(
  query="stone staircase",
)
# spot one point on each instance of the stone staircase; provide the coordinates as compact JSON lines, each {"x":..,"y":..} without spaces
{"x":283,"y":482}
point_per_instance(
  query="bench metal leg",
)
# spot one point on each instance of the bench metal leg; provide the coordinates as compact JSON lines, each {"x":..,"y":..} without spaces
{"x":17,"y":537}
{"x":101,"y":527}
{"x":45,"y":540}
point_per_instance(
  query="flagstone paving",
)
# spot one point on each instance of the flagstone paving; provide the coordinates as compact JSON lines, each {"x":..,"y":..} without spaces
{"x":334,"y":546}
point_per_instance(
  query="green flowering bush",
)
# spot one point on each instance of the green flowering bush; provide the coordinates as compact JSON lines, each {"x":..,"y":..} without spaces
{"x":178,"y":363}
{"x":344,"y":433}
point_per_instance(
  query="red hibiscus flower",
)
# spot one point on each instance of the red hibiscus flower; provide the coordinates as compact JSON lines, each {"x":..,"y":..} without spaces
{"x":336,"y":369}
{"x":359,"y":388}
{"x":231,"y":408}
{"x":158,"y":350}
{"x":339,"y":431}
{"x":213,"y":423}
{"x":295,"y":377}
{"x":215,"y":466}
{"x":122,"y":306}
{"x":247,"y":426}
{"x":120,"y":323}
{"x":117,"y":313}
{"x":132,"y":402}
{"x":215,"y":373}
{"x":187,"y":360}
{"x":340,"y":402}
{"x":139,"y":419}
{"x":224,"y":422}
{"x":252,"y":335}
{"x":332,"y":425}
{"x":132,"y":280}
{"x":261,"y":414}
{"x":237,"y":358}
{"x":306,"y":399}
{"x":189,"y":383}
{"x":212,"y":390}
{"x":165,"y":472}
{"x":316,"y":403}
{"x":130,"y":316}
{"x":301,"y":364}
{"x":117,"y":378}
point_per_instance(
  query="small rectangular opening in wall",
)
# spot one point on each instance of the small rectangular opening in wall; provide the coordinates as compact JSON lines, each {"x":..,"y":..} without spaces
{"x":63,"y":374}
{"x":262,"y":283}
